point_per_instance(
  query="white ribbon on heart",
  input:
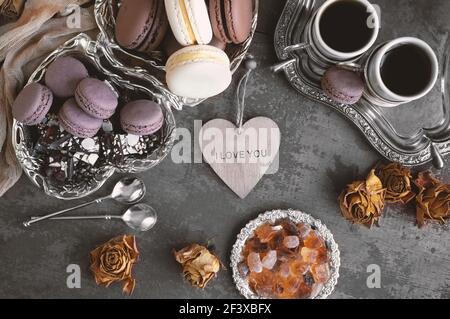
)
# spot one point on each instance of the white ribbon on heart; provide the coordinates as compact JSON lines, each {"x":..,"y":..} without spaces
{"x":240,"y":155}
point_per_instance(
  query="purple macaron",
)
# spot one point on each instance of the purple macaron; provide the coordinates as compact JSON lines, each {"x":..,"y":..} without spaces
{"x":77,"y":122}
{"x":32,"y":104}
{"x":141,"y":117}
{"x":63,"y":76}
{"x":343,"y":86}
{"x":96,"y":98}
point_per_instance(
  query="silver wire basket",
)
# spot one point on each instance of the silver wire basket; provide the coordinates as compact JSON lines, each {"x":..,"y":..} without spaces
{"x":151,"y":67}
{"x":122,"y":155}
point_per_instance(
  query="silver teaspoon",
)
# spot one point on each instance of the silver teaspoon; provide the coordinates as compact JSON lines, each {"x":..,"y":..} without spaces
{"x":139,"y":217}
{"x":129,"y":190}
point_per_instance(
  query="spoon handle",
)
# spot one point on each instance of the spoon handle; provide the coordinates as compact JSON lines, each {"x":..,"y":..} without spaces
{"x":33,"y":221}
{"x":106,"y":217}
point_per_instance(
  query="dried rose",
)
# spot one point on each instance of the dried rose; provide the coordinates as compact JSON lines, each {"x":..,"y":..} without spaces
{"x":362,"y":202}
{"x":433,"y":200}
{"x":113,"y":262}
{"x":199,"y":264}
{"x":397,"y":181}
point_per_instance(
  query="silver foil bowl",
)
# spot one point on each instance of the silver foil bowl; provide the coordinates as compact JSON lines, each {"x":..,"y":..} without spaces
{"x":297,"y":217}
{"x":151,"y":67}
{"x":122,"y":157}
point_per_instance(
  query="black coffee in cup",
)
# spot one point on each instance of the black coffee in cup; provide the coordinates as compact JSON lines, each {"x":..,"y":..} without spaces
{"x":345,"y":26}
{"x":406,"y":70}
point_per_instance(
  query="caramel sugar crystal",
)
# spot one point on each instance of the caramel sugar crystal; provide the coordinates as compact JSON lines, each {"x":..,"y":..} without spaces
{"x":286,"y":261}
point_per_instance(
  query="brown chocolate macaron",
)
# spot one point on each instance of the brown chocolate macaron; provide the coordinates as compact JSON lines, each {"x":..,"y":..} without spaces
{"x":231,"y":19}
{"x":141,"y":24}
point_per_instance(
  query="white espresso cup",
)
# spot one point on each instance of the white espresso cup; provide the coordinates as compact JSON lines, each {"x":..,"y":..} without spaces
{"x":379,"y":92}
{"x":369,"y":23}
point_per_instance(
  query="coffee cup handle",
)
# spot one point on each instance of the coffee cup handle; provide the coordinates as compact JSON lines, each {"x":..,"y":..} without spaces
{"x":350,"y":66}
{"x":295,"y":47}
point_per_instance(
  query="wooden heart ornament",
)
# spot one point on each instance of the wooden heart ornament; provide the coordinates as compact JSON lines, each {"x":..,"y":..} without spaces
{"x":240,"y":157}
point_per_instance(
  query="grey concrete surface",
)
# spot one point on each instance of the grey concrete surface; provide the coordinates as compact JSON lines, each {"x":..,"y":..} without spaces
{"x":320,"y":153}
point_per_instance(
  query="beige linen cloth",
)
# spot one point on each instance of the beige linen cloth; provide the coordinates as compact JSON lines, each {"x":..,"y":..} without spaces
{"x":23,"y":45}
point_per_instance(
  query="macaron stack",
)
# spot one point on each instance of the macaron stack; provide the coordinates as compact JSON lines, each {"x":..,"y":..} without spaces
{"x":61,"y":79}
{"x":86,"y":103}
{"x":197,"y":66}
{"x":93,"y":102}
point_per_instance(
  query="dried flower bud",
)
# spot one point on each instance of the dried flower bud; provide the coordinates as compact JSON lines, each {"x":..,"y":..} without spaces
{"x":362,"y":202}
{"x":199,"y":264}
{"x":397,"y":181}
{"x":113,"y":262}
{"x":433,"y":200}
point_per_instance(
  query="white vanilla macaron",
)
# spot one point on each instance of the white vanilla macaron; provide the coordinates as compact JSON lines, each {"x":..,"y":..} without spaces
{"x":189,"y":20}
{"x":198,"y":71}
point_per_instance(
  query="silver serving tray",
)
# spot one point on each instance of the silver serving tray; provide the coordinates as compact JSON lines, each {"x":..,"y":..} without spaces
{"x":426,"y":145}
{"x":90,"y":53}
{"x":297,"y":217}
{"x":152,"y":66}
